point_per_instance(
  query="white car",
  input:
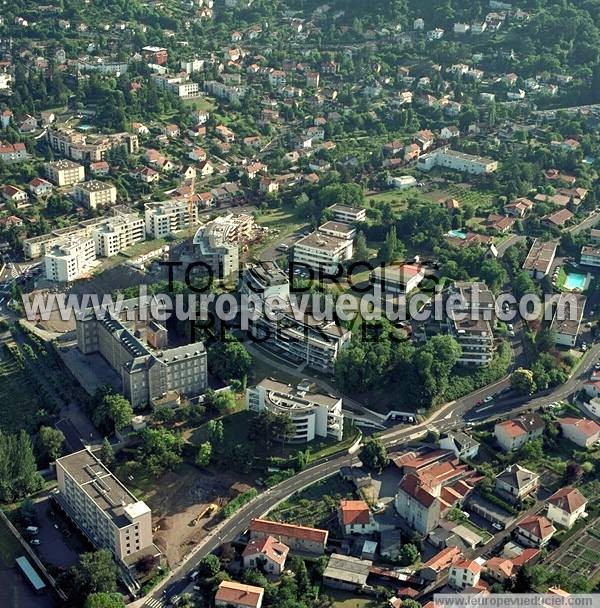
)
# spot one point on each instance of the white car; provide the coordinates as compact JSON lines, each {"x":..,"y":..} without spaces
{"x":497,"y":526}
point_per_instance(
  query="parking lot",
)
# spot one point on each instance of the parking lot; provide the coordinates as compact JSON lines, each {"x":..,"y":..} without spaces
{"x":59,"y":544}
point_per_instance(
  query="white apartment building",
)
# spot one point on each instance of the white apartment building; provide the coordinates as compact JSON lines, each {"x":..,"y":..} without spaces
{"x":314,"y":414}
{"x":464,"y":573}
{"x":104,"y":509}
{"x":566,"y":322}
{"x":64,"y":172}
{"x":398,"y":278}
{"x":348,"y":215}
{"x":457,"y":161}
{"x":94,"y":194}
{"x":167,"y":217}
{"x":69,"y":259}
{"x":117,"y":233}
{"x":266,"y":280}
{"x":180,"y":86}
{"x":566,"y":506}
{"x":322,"y":251}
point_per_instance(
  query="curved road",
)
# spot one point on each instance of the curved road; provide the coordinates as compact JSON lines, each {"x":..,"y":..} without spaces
{"x":453,"y":415}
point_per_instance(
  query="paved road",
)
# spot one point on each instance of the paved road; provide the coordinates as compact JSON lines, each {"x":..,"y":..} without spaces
{"x":589,"y":222}
{"x":457,"y":414}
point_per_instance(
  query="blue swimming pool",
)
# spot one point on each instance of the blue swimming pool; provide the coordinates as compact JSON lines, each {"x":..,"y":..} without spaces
{"x":575,"y":280}
{"x":458,"y":234}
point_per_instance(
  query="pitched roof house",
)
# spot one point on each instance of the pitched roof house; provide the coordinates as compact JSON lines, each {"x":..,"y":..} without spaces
{"x":566,"y":506}
{"x":534,"y":531}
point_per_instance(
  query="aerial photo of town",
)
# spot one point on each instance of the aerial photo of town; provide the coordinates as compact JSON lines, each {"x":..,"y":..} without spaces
{"x":299,"y":303}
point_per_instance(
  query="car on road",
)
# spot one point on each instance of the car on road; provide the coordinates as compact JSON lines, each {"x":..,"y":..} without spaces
{"x":488,"y":398}
{"x":283,"y":247}
{"x":35,"y":542}
{"x":496,"y":525}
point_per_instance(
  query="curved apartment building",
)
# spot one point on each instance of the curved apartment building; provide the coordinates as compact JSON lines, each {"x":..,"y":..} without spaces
{"x":313,"y":414}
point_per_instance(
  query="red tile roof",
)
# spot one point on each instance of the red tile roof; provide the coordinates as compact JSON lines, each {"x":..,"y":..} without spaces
{"x":230,"y":592}
{"x":537,"y":525}
{"x":568,"y":499}
{"x":354,"y":512}
{"x":468,"y":564}
{"x":588,"y":427}
{"x":444,"y":559}
{"x":273,"y":528}
{"x":268,"y":546}
{"x":415,"y":487}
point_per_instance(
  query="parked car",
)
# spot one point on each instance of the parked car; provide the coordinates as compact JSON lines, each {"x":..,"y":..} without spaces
{"x":35,"y":542}
{"x":497,"y":526}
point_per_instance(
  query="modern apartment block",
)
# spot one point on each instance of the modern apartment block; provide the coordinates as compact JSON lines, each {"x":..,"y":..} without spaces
{"x":69,"y":259}
{"x":313,"y":414}
{"x":94,"y":194}
{"x":167,"y":217}
{"x":89,"y":148}
{"x":474,"y":333}
{"x":348,"y":215}
{"x":64,"y":172}
{"x":540,"y":258}
{"x":180,"y":86}
{"x":148,"y":369}
{"x":324,"y":251}
{"x":457,"y":161}
{"x":117,"y":233}
{"x":38,"y":246}
{"x":284,"y":329}
{"x":104,"y":509}
{"x":217,"y":242}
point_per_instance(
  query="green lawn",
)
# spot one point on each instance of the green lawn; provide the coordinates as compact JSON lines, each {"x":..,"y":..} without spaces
{"x":282,"y":219}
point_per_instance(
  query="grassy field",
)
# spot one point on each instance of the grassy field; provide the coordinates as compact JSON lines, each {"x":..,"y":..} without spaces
{"x":18,"y":402}
{"x":285,"y":220}
{"x":342,"y":599}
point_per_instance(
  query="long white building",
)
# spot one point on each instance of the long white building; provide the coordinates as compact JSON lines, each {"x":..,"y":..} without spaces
{"x":325,"y":249}
{"x":457,"y":161}
{"x":313,"y":414}
{"x":105,"y":510}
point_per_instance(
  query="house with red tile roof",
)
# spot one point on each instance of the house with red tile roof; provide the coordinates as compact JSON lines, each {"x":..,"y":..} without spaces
{"x":534,"y":531}
{"x":513,"y":434}
{"x":238,"y":595}
{"x":516,"y":482}
{"x":266,"y":552}
{"x":355,"y":517}
{"x":40,"y":187}
{"x":464,"y":573}
{"x":557,"y":219}
{"x":519,"y":207}
{"x":432,"y":569}
{"x":581,"y":431}
{"x":566,"y":506}
{"x":298,"y":538}
{"x":14,"y":194}
{"x":499,"y":223}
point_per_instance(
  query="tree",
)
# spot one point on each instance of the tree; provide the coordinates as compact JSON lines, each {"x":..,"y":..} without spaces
{"x":523,"y":284}
{"x":523,"y":382}
{"x":18,"y":470}
{"x":215,"y":431}
{"x":107,"y":454}
{"x":374,"y":454}
{"x":160,"y":449}
{"x":104,"y":600}
{"x":114,"y":412}
{"x":49,"y":443}
{"x":573,"y":471}
{"x":409,"y":554}
{"x":204,"y":454}
{"x":96,"y":573}
{"x":230,"y":360}
{"x":209,"y":566}
{"x":391,"y":249}
{"x":146,"y":564}
{"x":220,"y":403}
{"x":361,"y":250}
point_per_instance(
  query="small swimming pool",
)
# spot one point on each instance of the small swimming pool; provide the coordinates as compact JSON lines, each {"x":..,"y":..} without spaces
{"x":458,"y":234}
{"x":575,"y":280}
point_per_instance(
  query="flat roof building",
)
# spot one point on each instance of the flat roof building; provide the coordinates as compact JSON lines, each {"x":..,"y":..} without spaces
{"x":94,"y":194}
{"x":164,"y":218}
{"x":566,"y":322}
{"x":313,"y":414}
{"x":69,"y":259}
{"x":104,"y":509}
{"x":540,"y":258}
